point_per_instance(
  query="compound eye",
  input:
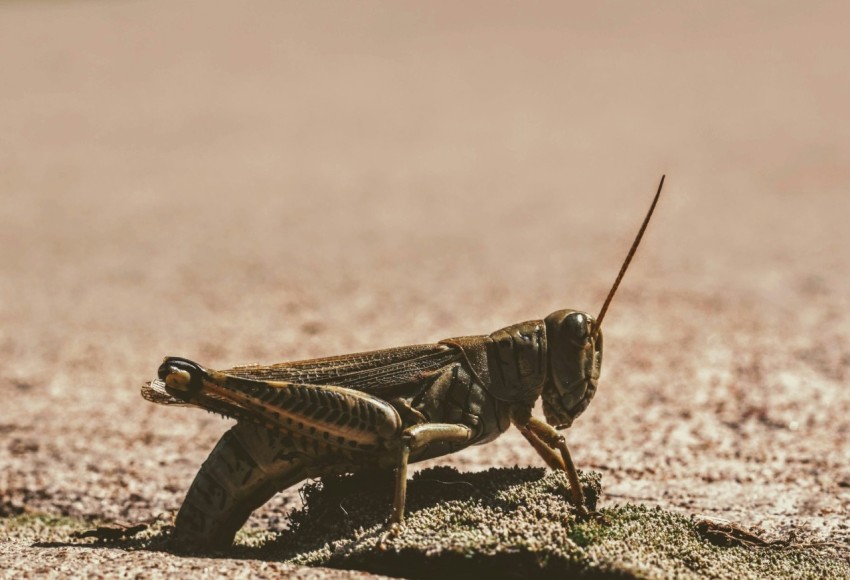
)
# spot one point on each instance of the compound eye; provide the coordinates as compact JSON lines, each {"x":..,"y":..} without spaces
{"x":578,"y":328}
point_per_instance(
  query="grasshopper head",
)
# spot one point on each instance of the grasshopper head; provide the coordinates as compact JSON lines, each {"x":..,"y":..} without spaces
{"x":575,"y":358}
{"x":575,"y":349}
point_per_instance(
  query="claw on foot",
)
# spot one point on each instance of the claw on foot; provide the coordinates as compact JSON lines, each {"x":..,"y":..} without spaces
{"x":391,"y":533}
{"x":585,"y":515}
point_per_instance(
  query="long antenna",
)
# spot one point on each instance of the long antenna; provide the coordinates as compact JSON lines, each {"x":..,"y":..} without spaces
{"x":629,"y":257}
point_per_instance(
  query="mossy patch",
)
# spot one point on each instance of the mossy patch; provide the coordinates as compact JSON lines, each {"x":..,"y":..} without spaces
{"x":516,"y":523}
{"x":38,"y":527}
{"x":500,"y":523}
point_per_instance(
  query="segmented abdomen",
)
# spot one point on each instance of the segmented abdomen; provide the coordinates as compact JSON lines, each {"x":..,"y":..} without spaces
{"x":245,"y":469}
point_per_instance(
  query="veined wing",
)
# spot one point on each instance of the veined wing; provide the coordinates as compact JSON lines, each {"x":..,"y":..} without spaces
{"x":369,"y":371}
{"x":373,"y":372}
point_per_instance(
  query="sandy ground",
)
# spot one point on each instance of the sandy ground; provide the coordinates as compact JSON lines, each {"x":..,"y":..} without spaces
{"x":254,"y":183}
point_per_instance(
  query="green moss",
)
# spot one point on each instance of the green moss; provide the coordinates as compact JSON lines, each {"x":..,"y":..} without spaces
{"x":48,"y":530}
{"x":516,"y":522}
{"x":37,"y":527}
{"x":498,"y":523}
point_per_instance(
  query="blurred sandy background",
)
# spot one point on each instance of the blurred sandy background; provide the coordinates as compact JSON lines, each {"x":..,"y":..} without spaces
{"x":268,"y":181}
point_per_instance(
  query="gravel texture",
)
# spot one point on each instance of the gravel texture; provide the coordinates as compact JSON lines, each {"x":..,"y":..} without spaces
{"x":277,"y":182}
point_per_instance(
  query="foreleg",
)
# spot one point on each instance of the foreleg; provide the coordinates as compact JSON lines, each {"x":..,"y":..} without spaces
{"x":546,"y":441}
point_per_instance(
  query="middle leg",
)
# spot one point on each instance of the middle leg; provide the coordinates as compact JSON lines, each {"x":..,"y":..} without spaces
{"x":413,"y":439}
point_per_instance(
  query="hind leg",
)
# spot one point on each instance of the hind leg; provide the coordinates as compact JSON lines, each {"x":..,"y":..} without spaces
{"x":248,"y":466}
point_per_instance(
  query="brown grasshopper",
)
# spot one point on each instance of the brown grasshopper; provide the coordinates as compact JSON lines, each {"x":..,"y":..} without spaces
{"x":383,"y":409}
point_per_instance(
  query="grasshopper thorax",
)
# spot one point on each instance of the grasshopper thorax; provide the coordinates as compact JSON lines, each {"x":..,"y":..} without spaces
{"x":575,"y":358}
